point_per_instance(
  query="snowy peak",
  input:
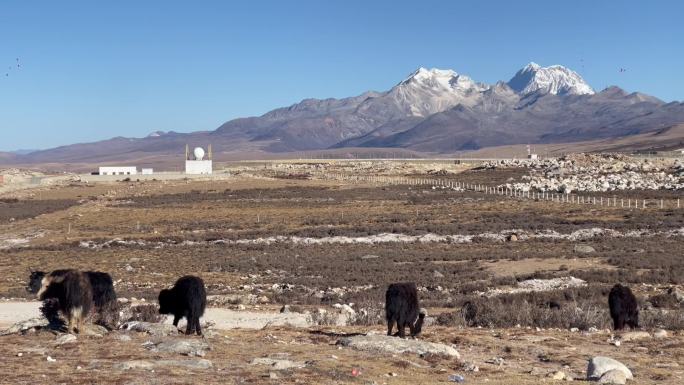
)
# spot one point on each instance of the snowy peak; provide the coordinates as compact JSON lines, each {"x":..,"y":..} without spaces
{"x":428,"y":91}
{"x":444,"y":80}
{"x":555,"y":79}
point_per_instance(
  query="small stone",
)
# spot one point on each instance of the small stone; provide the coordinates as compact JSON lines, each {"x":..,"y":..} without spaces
{"x":614,"y":376}
{"x":559,"y":375}
{"x":660,"y":333}
{"x":437,"y":274}
{"x":65,"y":339}
{"x":584,"y":249}
{"x":20,"y":354}
{"x":50,"y":359}
{"x":512,"y":238}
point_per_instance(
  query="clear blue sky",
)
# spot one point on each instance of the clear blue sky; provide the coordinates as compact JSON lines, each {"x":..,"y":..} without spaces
{"x":97,"y":69}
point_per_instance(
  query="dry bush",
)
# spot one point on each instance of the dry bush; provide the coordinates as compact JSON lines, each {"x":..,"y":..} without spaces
{"x":662,"y":319}
{"x":664,"y":301}
{"x":369,"y":314}
{"x":108,"y":315}
{"x":323,"y":318}
{"x":451,"y":319}
{"x":144,"y":313}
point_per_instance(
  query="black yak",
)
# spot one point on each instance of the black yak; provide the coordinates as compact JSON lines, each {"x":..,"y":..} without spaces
{"x":101,"y":284}
{"x":623,"y":307}
{"x":402,"y":308}
{"x":187,"y":298}
{"x":469,"y":313}
{"x":72,"y":290}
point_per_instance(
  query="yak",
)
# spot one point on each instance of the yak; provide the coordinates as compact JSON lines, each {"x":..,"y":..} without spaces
{"x":187,"y":298}
{"x":72,"y":290}
{"x":623,"y":307}
{"x":101,"y":283}
{"x":402,"y":308}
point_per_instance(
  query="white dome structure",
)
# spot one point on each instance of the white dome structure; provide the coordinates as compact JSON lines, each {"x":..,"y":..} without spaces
{"x":196,"y":163}
{"x":198,"y":152}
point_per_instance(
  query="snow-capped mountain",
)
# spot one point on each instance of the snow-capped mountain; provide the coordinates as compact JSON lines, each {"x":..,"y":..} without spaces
{"x":555,"y":79}
{"x":432,"y":110}
{"x":428,"y":91}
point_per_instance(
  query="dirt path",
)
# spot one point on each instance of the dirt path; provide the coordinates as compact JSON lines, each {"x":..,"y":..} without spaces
{"x":13,"y":312}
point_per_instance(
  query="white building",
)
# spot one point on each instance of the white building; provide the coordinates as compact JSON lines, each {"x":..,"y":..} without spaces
{"x":118,"y":170}
{"x":147,"y":171}
{"x":196,"y":164}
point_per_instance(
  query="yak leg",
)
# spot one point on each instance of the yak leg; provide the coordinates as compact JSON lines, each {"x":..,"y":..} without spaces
{"x":390,"y":324}
{"x":198,"y":328}
{"x":175,"y":320}
{"x":402,"y":332}
{"x":191,"y":324}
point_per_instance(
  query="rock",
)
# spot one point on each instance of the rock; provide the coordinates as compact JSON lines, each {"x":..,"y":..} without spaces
{"x":635,"y":336}
{"x":437,"y":274}
{"x":370,"y":256}
{"x":263,"y":299}
{"x":24,"y":326}
{"x":614,"y":376}
{"x":122,"y":337}
{"x":150,"y":365}
{"x":387,"y":344}
{"x":186,"y":347}
{"x":512,"y":238}
{"x":134,"y":364}
{"x":155,"y":329}
{"x":278,"y":364}
{"x":600,"y":365}
{"x":50,"y":359}
{"x":660,"y":333}
{"x":560,"y":376}
{"x":65,"y":339}
{"x":95,"y":330}
{"x":188,"y":364}
{"x":498,"y":361}
{"x":584,"y":249}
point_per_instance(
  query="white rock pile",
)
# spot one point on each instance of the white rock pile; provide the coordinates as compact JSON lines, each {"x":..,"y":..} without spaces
{"x":595,"y":173}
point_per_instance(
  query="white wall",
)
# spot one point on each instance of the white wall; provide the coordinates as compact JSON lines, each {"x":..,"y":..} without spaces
{"x":118,"y":171}
{"x":198,"y":167}
{"x":147,"y":171}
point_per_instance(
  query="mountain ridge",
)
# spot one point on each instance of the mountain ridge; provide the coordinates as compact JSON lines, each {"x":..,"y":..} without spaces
{"x":431,"y":110}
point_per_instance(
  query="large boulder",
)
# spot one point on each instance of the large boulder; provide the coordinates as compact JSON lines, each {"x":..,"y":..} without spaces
{"x":599,"y":365}
{"x":387,"y":344}
{"x":24,"y":326}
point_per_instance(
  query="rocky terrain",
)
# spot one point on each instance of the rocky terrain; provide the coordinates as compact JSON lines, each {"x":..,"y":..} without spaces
{"x":296,"y":265}
{"x":596,"y":172}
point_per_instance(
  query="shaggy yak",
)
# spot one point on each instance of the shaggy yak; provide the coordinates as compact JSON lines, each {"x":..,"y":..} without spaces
{"x":101,"y":284}
{"x":187,"y":298}
{"x":623,"y":307}
{"x":402,"y":307}
{"x":72,"y":290}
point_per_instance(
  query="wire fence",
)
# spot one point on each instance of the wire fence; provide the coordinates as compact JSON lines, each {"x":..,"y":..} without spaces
{"x":540,"y":196}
